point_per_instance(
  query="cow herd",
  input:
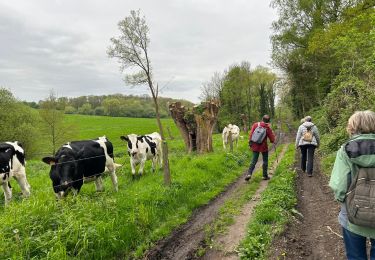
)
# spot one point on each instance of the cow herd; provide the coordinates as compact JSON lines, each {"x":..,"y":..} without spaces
{"x":78,"y":162}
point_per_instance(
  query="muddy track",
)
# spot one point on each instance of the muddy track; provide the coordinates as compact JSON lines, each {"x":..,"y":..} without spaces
{"x":225,"y":245}
{"x":314,"y":234}
{"x":185,"y":240}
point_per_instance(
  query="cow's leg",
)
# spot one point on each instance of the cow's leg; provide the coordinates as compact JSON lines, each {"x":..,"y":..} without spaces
{"x":7,"y":192}
{"x":154,"y":163}
{"x":141,"y":166}
{"x":224,"y":144}
{"x":112,"y":170}
{"x":22,"y":181}
{"x":132,"y":164}
{"x":99,"y":184}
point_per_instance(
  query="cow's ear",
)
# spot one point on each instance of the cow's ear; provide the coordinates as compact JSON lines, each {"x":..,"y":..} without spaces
{"x":80,"y":153}
{"x":49,"y":160}
{"x":124,"y":138}
{"x":19,"y":144}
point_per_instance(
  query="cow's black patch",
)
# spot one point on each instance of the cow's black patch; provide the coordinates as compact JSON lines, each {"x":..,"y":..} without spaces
{"x":151,"y":144}
{"x":20,"y":157}
{"x":146,"y":149}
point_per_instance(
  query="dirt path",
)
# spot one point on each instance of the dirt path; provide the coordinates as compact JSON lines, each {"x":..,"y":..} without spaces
{"x":312,"y":236}
{"x":183,"y":242}
{"x":225,"y":245}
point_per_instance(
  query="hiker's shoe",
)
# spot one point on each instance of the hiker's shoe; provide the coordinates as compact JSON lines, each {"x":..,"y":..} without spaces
{"x":248,"y":177}
{"x":309,"y":174}
{"x":266,"y":178}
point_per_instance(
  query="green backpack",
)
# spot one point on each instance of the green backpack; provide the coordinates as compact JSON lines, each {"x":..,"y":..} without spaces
{"x":360,"y":198}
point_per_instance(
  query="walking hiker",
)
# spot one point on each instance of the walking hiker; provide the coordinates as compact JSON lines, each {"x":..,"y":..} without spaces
{"x":353,"y":183}
{"x":259,"y":133}
{"x":307,"y":140}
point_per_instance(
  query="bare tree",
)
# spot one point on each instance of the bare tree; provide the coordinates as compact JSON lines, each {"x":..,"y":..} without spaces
{"x":131,"y":49}
{"x":53,"y":120}
{"x":211,"y":89}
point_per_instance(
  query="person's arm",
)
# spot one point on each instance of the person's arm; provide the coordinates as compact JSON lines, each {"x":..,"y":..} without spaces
{"x":270,"y":134}
{"x":299,"y":135}
{"x":316,"y":134}
{"x":340,"y":175}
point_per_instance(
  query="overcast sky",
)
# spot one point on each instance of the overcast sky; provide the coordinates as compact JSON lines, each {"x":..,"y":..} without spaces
{"x":61,"y":44}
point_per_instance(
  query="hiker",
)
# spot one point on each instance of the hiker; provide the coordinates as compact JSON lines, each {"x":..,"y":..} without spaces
{"x":259,"y":133}
{"x":352,"y":177}
{"x":307,"y":140}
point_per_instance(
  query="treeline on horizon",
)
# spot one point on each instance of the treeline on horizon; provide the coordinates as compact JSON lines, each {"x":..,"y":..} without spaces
{"x":116,"y":105}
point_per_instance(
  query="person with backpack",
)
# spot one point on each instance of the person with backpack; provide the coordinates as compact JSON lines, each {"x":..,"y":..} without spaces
{"x":259,"y":133}
{"x":307,"y":140}
{"x":353,"y":183}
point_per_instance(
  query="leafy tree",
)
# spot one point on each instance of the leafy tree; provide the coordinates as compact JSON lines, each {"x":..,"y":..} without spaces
{"x":18,"y":122}
{"x":131,"y":48}
{"x":86,"y":109}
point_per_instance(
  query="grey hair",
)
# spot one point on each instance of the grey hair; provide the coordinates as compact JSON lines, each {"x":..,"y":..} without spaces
{"x":308,"y":119}
{"x":361,"y":122}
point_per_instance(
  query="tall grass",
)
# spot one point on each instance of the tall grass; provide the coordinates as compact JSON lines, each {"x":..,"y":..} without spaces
{"x":109,"y":225}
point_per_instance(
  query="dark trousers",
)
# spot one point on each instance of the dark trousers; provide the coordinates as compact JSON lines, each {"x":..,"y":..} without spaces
{"x":307,"y":155}
{"x":355,"y":246}
{"x":255,"y":160}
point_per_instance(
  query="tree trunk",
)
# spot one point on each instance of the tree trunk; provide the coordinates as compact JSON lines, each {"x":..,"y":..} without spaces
{"x":186,"y":128}
{"x":205,"y":116}
{"x":166,"y":170}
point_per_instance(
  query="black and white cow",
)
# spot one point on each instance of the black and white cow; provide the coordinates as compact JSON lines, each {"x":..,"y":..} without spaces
{"x":142,"y":148}
{"x":81,"y":161}
{"x":12,"y":164}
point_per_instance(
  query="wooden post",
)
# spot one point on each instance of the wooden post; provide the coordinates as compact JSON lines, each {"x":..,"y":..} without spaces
{"x":230,"y":141}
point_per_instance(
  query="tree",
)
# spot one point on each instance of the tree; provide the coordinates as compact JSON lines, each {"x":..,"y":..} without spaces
{"x":19,"y":122}
{"x":53,"y":120}
{"x":196,"y":125}
{"x":131,"y":48}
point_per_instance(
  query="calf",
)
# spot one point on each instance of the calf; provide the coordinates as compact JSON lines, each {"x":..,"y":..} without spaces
{"x":142,"y":148}
{"x":12,"y":164}
{"x":81,"y":161}
{"x":234,"y":131}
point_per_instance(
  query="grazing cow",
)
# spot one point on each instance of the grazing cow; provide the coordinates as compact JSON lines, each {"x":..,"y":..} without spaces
{"x":81,"y":161}
{"x":142,"y":148}
{"x":235,"y":133}
{"x":12,"y":164}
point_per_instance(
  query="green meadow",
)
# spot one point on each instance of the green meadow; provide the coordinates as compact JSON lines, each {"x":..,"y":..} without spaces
{"x":109,"y":225}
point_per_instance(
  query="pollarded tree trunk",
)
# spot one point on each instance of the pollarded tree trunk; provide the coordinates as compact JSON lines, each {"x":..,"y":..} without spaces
{"x":178,"y":114}
{"x":205,"y":116}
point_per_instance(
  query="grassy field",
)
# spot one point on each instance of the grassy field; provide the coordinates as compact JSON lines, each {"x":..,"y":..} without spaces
{"x":111,"y":225}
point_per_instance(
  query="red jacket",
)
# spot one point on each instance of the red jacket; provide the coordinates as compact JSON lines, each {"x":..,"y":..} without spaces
{"x":263,"y":147}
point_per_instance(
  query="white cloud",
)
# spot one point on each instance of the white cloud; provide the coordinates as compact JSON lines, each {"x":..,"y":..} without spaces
{"x":62,"y":45}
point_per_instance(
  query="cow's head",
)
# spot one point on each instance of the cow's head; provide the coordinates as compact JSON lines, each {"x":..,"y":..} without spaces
{"x":65,"y":172}
{"x":132,"y":141}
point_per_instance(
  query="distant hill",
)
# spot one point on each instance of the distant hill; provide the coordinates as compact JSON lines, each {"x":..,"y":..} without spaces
{"x":116,"y":105}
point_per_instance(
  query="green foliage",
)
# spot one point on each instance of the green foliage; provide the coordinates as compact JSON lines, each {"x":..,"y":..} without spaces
{"x":18,"y":122}
{"x":273,"y":212}
{"x":246,"y":91}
